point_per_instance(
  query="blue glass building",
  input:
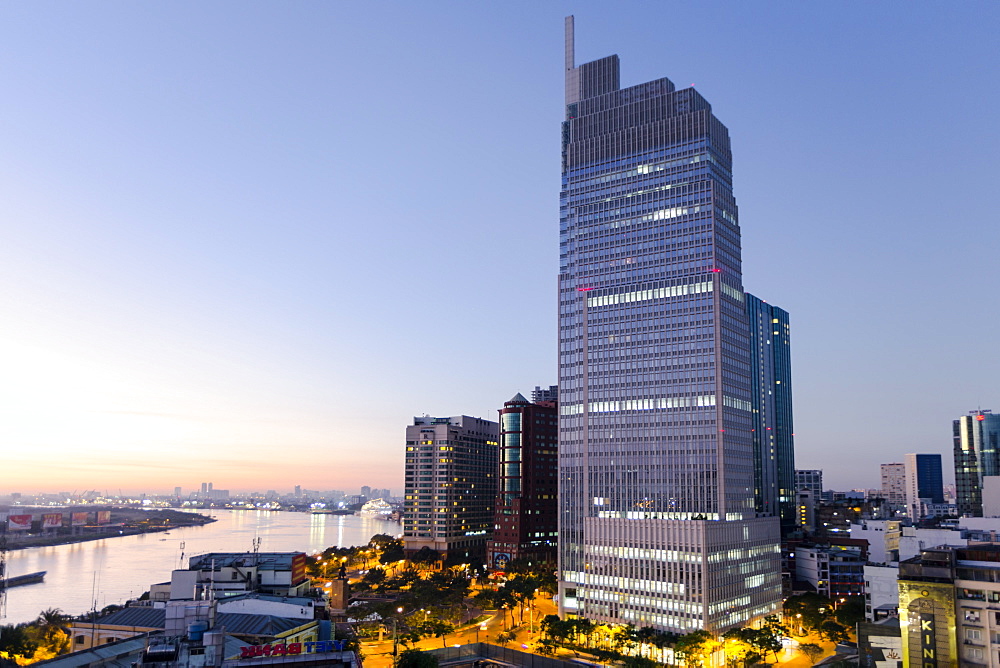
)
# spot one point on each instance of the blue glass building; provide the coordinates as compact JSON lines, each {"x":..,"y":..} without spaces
{"x":977,"y":454}
{"x":658,"y":519}
{"x":771,"y":432}
{"x":924,"y":482}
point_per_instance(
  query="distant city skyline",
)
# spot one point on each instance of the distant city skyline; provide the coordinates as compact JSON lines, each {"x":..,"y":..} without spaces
{"x":253,"y":240}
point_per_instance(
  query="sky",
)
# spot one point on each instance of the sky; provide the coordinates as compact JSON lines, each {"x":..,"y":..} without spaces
{"x":246,"y":242}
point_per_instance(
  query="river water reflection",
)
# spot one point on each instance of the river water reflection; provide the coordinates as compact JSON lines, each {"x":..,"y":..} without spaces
{"x":112,"y":570}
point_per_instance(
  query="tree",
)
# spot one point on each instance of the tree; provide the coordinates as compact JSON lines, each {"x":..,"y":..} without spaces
{"x":623,"y":636}
{"x":739,"y":646}
{"x":833,"y":631}
{"x":52,"y":620}
{"x":694,"y":647}
{"x":851,"y":612}
{"x":426,"y":556}
{"x":546,"y":647}
{"x":769,"y":636}
{"x":497,"y":599}
{"x":436,"y":628}
{"x":414,"y":658}
{"x":639,"y":662}
{"x":392,"y":552}
{"x":374,"y":577}
{"x":812,"y":651}
{"x":504,"y":637}
{"x":522,"y":588}
{"x":381,"y":541}
{"x":811,"y":609}
{"x":15,"y":642}
{"x":584,"y":627}
{"x":555,"y":628}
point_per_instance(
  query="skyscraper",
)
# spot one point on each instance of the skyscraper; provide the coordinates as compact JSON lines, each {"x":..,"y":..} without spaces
{"x":771,"y":397}
{"x":526,"y":518}
{"x":658,"y":525}
{"x":977,"y":454}
{"x":923,"y":482}
{"x":451,"y":485}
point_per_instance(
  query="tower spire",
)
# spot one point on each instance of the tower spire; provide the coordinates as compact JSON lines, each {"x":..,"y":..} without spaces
{"x":572,"y":75}
{"x":570,"y":45}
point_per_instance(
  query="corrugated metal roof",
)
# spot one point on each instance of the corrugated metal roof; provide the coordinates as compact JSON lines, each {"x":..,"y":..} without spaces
{"x":257,"y":625}
{"x":141,"y":616}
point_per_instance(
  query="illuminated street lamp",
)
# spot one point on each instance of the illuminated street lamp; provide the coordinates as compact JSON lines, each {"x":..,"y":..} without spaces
{"x":395,"y":636}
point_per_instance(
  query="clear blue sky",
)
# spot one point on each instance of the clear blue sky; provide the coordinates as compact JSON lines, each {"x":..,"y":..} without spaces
{"x":246,"y":242}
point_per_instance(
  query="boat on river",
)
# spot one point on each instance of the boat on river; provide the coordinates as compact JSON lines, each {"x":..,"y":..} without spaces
{"x":27,"y":579}
{"x":377,"y":508}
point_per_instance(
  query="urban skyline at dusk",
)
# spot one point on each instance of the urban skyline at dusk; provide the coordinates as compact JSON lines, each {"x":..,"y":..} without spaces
{"x":248,"y":243}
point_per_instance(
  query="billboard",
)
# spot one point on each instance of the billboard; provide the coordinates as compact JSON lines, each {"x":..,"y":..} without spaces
{"x":79,"y":519}
{"x":51,"y":520}
{"x":19,"y":523}
{"x":298,"y":568}
{"x":103,"y":516}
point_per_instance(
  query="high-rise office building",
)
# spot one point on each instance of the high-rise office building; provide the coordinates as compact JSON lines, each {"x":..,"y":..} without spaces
{"x":526,"y":523}
{"x":811,"y":479}
{"x":657,"y":519}
{"x":977,"y":455}
{"x":771,"y":431}
{"x":451,"y":485}
{"x":894,"y":485}
{"x":924,"y":483}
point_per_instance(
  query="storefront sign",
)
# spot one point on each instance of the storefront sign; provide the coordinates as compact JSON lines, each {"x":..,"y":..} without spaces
{"x":282,"y":649}
{"x":928,"y":644}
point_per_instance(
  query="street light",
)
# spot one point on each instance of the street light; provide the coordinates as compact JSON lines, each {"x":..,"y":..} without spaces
{"x":395,"y":636}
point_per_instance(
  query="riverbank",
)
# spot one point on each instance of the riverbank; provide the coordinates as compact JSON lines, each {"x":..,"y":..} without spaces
{"x":123,"y":522}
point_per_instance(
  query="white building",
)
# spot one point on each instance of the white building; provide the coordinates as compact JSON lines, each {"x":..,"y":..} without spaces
{"x":894,"y":485}
{"x":881,"y":592}
{"x":889,"y":541}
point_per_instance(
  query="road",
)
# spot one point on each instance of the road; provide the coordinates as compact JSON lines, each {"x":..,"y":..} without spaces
{"x":379,"y":654}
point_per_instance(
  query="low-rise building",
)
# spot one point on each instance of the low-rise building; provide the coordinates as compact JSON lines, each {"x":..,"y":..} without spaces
{"x":949,"y":604}
{"x":237,"y":573}
{"x":145,"y":620}
{"x":831,"y":570}
{"x":881,"y":592}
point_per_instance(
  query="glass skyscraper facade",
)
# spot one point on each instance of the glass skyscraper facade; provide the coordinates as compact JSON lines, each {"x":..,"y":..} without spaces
{"x":771,"y":431}
{"x":658,"y":520}
{"x":977,"y":454}
{"x":924,"y":482}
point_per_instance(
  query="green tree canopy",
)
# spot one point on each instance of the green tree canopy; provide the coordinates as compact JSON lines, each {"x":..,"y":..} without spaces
{"x":851,"y":612}
{"x":813,"y":608}
{"x":15,"y":641}
{"x":694,"y":647}
{"x":812,"y":651}
{"x":414,"y":658}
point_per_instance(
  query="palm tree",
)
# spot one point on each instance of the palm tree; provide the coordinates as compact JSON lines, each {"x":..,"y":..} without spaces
{"x":52,"y":620}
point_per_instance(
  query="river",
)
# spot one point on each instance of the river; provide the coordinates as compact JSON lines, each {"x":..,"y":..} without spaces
{"x":113,"y":570}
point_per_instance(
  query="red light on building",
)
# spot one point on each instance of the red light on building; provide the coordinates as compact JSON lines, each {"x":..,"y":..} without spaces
{"x":980,"y":417}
